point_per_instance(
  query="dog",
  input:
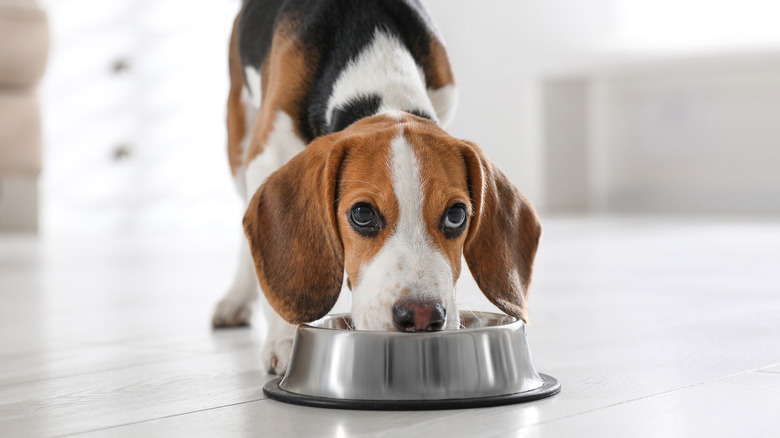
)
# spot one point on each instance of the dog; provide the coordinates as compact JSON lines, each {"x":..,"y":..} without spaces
{"x":336,"y":116}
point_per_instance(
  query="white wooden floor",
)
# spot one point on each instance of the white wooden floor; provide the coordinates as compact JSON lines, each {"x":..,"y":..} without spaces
{"x":655,"y":327}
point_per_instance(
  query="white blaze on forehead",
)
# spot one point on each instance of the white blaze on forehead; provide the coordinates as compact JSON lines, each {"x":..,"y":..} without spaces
{"x":423,"y":256}
{"x":425,"y":267}
{"x":409,"y":260}
{"x":407,"y":187}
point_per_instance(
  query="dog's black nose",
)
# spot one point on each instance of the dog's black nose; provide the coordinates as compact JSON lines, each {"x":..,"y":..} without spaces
{"x":418,"y":316}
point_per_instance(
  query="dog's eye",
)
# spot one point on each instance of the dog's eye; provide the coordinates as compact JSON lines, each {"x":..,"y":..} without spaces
{"x":363,"y":215}
{"x":456,"y":216}
{"x":364,"y":219}
{"x":454,"y":220}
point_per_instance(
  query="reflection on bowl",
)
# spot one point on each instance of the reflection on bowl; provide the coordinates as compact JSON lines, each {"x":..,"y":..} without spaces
{"x":485,"y":363}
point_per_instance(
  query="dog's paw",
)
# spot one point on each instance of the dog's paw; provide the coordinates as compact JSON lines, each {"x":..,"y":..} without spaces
{"x":232,"y":313}
{"x":276,"y":355}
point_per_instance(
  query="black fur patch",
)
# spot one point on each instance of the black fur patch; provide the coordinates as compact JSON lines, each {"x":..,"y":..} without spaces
{"x":421,"y":114}
{"x":256,"y":30}
{"x":354,"y":110}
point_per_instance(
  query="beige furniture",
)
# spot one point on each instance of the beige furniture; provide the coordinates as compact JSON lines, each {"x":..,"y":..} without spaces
{"x":690,"y":135}
{"x":24,"y":40}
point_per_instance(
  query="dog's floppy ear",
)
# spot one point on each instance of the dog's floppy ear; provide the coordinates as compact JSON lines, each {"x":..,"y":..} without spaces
{"x":503,"y":236}
{"x":293,"y":235}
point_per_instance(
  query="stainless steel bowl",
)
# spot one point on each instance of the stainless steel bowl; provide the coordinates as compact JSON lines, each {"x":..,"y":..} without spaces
{"x":485,"y":363}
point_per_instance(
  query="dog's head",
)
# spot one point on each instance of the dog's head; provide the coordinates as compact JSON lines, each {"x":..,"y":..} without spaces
{"x":393,"y":201}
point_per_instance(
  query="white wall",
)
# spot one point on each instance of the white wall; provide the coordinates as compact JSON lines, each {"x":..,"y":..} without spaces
{"x":504,"y":52}
{"x":498,"y":50}
{"x":166,"y":111}
{"x":168,"y":108}
{"x":693,"y":136}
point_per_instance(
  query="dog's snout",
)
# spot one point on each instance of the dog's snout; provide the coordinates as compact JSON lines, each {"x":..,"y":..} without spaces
{"x":418,"y":316}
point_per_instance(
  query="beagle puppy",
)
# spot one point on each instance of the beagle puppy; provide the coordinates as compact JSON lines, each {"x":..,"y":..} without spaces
{"x":336,"y":139}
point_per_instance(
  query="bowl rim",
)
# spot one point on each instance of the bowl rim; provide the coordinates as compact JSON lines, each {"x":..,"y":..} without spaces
{"x":512,"y":326}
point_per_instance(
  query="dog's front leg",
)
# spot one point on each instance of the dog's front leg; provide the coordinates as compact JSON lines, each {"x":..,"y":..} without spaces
{"x":278,"y":340}
{"x":282,"y":143}
{"x":235,"y":309}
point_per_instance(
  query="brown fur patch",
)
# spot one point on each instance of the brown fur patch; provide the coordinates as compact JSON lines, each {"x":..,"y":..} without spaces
{"x":366,"y":177}
{"x":438,"y":72}
{"x":286,"y":75}
{"x":236,"y":117}
{"x":296,"y":222}
{"x":503,"y":237}
{"x":292,"y":234}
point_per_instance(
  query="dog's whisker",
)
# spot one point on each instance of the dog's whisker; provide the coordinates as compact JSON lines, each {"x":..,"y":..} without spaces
{"x":367,"y":191}
{"x":337,"y":200}
{"x":467,"y":308}
{"x":361,"y":181}
{"x":449,"y":191}
{"x":347,"y":323}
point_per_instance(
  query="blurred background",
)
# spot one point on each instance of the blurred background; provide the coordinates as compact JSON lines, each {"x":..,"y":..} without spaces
{"x":590,"y":106}
{"x":646,"y":132}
